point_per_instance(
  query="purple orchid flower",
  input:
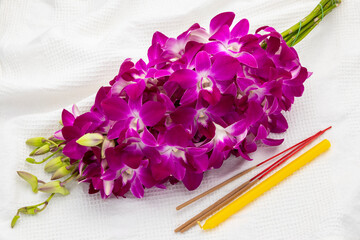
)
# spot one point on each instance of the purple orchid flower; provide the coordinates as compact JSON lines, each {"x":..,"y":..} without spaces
{"x":201,"y":97}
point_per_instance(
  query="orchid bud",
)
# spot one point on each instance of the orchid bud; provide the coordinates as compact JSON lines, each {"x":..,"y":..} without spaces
{"x":53,"y":187}
{"x":62,"y":172}
{"x":30,"y":160}
{"x":54,"y":164}
{"x":32,"y":210}
{"x":31,"y":179}
{"x":41,"y":150}
{"x":13,"y":222}
{"x":36,"y":141}
{"x":91,"y":139}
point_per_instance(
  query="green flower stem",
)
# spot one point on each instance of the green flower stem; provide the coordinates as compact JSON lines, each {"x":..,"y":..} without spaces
{"x":51,"y":142}
{"x":47,"y":158}
{"x":31,"y":209}
{"x":295,"y":34}
{"x":69,"y":179}
{"x":34,"y":209}
{"x":308,"y":30}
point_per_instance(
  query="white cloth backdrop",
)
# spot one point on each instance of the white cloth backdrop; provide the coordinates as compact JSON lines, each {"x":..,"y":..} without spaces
{"x":56,"y":53}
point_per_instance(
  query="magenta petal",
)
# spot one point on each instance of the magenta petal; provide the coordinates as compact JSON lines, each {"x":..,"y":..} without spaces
{"x":185,"y":78}
{"x":58,"y":135}
{"x":254,"y":112}
{"x":113,"y":158}
{"x":178,"y":170}
{"x":261,"y":133}
{"x":240,"y":29}
{"x":214,"y":47}
{"x":116,"y":129}
{"x":141,"y":65}
{"x":160,"y":38}
{"x":115,"y":108}
{"x":224,"y":68}
{"x":161,"y":73}
{"x":217,"y":156}
{"x":109,"y":175}
{"x":189,"y":96}
{"x":202,"y":62}
{"x":197,"y":151}
{"x":74,"y":150}
{"x":272,"y":142}
{"x":131,"y":156}
{"x":183,"y":115}
{"x":199,"y":163}
{"x":148,"y":139}
{"x":169,"y":105}
{"x":177,"y":136}
{"x":170,"y":88}
{"x":146,"y":177}
{"x":101,"y":95}
{"x":224,"y":106}
{"x":135,"y":90}
{"x":125,"y":66}
{"x":71,"y":132}
{"x":67,"y":118}
{"x":248,"y":59}
{"x":225,"y":18}
{"x":278,"y":123}
{"x":137,"y":188}
{"x":211,"y":97}
{"x":222,"y":34}
{"x":273,"y":45}
{"x":152,"y":112}
{"x":161,"y":170}
{"x":207,"y":130}
{"x":238,"y":128}
{"x":192,"y":180}
{"x":244,"y":155}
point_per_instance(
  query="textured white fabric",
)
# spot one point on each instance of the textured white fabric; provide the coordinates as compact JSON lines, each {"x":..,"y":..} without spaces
{"x":56,"y":53}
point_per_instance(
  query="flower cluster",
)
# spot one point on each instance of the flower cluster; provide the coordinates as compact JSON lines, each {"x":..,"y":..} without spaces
{"x":200,"y":98}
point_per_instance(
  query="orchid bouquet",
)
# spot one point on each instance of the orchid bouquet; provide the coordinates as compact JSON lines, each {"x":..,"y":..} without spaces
{"x":199,"y":98}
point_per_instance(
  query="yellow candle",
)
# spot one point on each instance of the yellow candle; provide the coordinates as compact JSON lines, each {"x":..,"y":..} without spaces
{"x":266,"y":185}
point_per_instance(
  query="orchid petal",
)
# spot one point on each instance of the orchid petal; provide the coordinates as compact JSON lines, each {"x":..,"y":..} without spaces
{"x":137,"y":188}
{"x":115,"y":108}
{"x":135,"y":90}
{"x":224,"y":68}
{"x":148,"y":139}
{"x":240,"y":29}
{"x":247,"y":59}
{"x":71,"y":132}
{"x":189,"y":96}
{"x":192,"y":180}
{"x":202,"y":62}
{"x":113,"y":158}
{"x":67,"y":118}
{"x":152,"y":112}
{"x":74,"y":150}
{"x":222,"y":34}
{"x":183,"y":115}
{"x":185,"y":78}
{"x":272,"y":142}
{"x":177,"y":136}
{"x":225,"y":18}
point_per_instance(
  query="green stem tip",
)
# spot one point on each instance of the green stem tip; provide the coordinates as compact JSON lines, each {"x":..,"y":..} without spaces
{"x":300,"y":30}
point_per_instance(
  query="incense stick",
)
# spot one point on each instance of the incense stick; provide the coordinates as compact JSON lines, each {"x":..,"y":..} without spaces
{"x":243,"y":173}
{"x":245,"y":186}
{"x":232,"y":195}
{"x":214,"y":188}
{"x":217,"y":205}
{"x":266,"y":185}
